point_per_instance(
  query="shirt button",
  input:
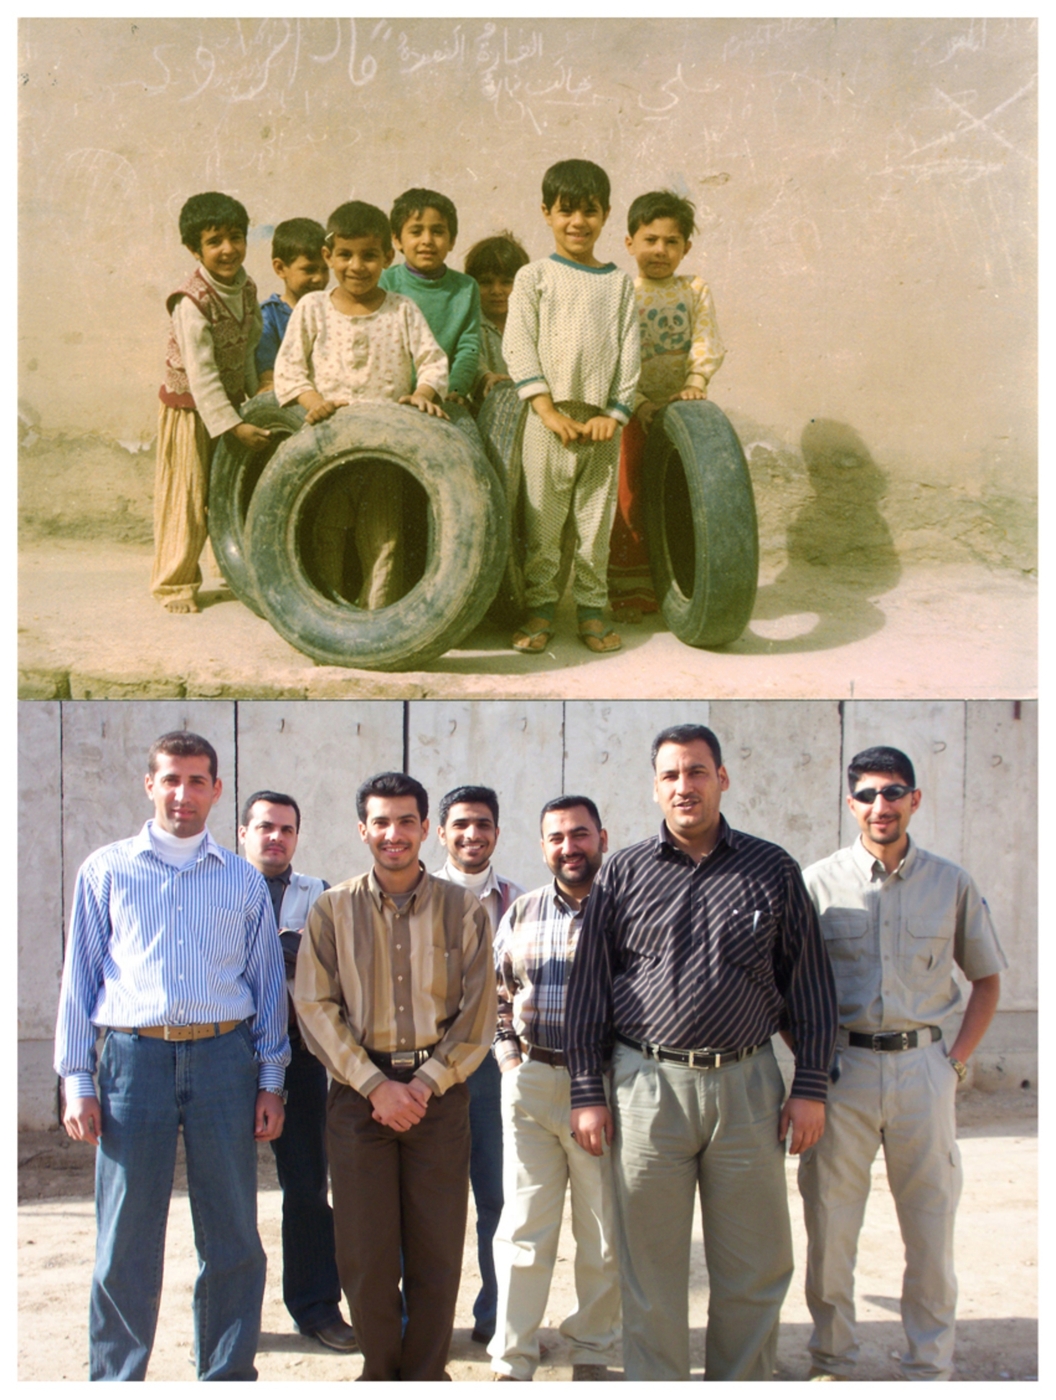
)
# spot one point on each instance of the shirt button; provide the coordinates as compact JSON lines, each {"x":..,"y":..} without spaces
{"x":399,"y":1008}
{"x":399,"y":947}
{"x":399,"y":979}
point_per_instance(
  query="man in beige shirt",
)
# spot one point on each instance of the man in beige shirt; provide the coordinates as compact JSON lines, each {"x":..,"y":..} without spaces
{"x":395,"y":994}
{"x":895,"y":919}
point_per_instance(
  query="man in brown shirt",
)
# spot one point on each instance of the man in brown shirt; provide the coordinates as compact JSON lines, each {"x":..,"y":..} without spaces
{"x":395,"y":993}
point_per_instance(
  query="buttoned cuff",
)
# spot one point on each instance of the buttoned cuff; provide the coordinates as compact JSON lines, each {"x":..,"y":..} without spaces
{"x":508,"y":1051}
{"x":80,"y":1086}
{"x":272,"y":1078}
{"x":588,"y":1091}
{"x":436,"y":1076}
{"x":810,"y":1084}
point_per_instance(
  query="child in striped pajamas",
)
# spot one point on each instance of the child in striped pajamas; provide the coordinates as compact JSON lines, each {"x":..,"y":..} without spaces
{"x":572,"y":348}
{"x":681,"y":350}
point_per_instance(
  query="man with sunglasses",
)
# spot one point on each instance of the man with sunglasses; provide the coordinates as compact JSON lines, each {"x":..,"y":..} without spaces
{"x":895,"y":919}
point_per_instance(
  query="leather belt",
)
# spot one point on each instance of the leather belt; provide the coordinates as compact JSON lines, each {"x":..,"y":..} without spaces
{"x":400,"y":1060}
{"x":885,"y":1041}
{"x":545,"y":1057}
{"x":204,"y":1031}
{"x":694,"y":1059}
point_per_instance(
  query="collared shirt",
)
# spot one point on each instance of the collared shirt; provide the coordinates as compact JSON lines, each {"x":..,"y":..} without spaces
{"x":534,"y":949}
{"x":371,"y":976}
{"x":150,"y":945}
{"x":496,"y":894}
{"x":715,"y":954}
{"x":894,"y":939}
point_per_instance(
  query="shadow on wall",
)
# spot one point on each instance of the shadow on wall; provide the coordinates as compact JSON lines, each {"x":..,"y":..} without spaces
{"x":840,"y":553}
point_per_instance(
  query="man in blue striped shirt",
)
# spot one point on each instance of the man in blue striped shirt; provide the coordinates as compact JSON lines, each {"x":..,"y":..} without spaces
{"x":173,"y":955}
{"x":697,"y":947}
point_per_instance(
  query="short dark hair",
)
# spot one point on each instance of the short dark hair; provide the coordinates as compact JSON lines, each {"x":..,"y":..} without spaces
{"x":662,"y":204}
{"x":688,"y":734}
{"x":391,"y":785}
{"x":499,"y":256}
{"x":413,"y":202}
{"x":210,"y":210}
{"x":278,"y":799}
{"x":297,"y":238}
{"x":881,"y":759}
{"x":181,"y":743}
{"x":468,"y":793}
{"x":571,"y":799}
{"x":578,"y":182}
{"x":356,"y":219}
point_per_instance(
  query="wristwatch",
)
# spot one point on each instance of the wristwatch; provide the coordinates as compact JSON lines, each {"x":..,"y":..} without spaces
{"x":960,"y":1067}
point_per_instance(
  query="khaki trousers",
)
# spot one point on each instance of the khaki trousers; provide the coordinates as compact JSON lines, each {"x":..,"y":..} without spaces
{"x":540,"y":1162}
{"x":679,"y":1131}
{"x":904,"y":1103}
{"x":370,"y":504}
{"x":181,"y":495}
{"x":400,"y":1193}
{"x":579,"y":480}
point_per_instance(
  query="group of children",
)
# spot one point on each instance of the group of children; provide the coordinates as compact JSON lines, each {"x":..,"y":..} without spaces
{"x":595,"y":354}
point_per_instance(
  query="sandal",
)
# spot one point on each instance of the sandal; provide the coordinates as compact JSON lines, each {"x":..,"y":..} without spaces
{"x":534,"y":635}
{"x":596,"y":637}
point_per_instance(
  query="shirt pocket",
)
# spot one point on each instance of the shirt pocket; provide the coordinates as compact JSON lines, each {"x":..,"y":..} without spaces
{"x":747,"y":942}
{"x":845,"y":933}
{"x":928,"y":944}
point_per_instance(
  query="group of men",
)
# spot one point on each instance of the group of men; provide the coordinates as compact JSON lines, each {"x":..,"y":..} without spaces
{"x":630,"y":1003}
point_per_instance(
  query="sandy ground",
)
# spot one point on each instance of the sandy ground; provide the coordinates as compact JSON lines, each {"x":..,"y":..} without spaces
{"x":996,"y":1251}
{"x":89,"y":629}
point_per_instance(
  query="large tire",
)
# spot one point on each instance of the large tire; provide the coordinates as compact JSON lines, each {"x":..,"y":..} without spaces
{"x":701,"y":524}
{"x":233,"y":478}
{"x":500,"y":423}
{"x":461,"y":533}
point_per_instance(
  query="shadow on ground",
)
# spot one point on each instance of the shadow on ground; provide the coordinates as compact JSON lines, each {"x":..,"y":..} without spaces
{"x":841,"y":554}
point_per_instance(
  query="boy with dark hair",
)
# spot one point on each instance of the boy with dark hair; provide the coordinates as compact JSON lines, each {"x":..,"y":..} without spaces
{"x":297,"y":258}
{"x":493,"y":263}
{"x":353,"y":345}
{"x":425,"y":226}
{"x":209,"y":371}
{"x":572,"y":346}
{"x":681,"y":350}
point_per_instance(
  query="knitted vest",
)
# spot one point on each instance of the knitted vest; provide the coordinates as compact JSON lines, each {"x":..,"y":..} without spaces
{"x":230,"y":339}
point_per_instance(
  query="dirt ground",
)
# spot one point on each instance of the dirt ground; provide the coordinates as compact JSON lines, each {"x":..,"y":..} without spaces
{"x":925,"y":630}
{"x":997,"y":1244}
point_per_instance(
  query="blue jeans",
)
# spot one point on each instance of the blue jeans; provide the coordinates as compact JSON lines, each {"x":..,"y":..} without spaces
{"x":485,"y":1176}
{"x":310,"y":1286}
{"x":148,"y":1089}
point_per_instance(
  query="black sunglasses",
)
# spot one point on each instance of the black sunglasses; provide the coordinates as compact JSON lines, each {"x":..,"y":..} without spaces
{"x":894,"y":792}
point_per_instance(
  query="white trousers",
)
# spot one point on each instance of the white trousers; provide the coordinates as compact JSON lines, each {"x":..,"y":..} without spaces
{"x":904,"y":1103}
{"x":540,"y":1161}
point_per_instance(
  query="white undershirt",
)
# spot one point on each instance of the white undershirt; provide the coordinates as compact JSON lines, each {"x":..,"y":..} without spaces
{"x":175,"y":850}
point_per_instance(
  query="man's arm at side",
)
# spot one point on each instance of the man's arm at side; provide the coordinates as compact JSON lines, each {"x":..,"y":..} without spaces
{"x":82,"y":979}
{"x":982,"y":1003}
{"x":588,"y":1021}
{"x":469,"y":1036}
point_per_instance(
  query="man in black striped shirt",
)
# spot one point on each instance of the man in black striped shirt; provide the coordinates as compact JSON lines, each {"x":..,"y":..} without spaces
{"x":698,"y":945}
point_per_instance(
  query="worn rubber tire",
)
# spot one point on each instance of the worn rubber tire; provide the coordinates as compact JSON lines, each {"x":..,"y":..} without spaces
{"x":500,"y":423}
{"x":233,"y":478}
{"x":464,"y":542}
{"x":701,"y":524}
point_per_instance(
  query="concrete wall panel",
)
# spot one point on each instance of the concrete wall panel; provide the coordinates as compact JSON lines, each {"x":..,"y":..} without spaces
{"x":514,"y":747}
{"x":40,"y":911}
{"x":1001,"y":835}
{"x":931,"y":734}
{"x":783,"y":760}
{"x":104,"y":757}
{"x":320,"y":753}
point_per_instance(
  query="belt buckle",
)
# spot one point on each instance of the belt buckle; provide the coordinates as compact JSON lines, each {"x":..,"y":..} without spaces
{"x":404,"y":1059}
{"x":904,"y":1037}
{"x":878,"y":1045}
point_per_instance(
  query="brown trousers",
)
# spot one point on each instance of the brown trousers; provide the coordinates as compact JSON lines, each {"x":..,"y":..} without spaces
{"x":392,"y":1192}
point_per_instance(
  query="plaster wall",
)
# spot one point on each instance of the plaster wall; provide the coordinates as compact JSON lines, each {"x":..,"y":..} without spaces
{"x":865,"y":192}
{"x":81,"y":785}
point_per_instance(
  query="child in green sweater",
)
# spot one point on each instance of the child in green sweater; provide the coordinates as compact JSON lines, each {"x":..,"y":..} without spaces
{"x":424,"y":228}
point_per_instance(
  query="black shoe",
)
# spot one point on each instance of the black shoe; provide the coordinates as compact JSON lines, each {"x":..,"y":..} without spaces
{"x":336,"y":1336}
{"x":481,"y":1337}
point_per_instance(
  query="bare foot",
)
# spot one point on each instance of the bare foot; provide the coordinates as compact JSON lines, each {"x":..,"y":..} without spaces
{"x":180,"y":605}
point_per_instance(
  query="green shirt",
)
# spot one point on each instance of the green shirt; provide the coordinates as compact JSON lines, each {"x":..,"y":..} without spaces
{"x":451,"y":305}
